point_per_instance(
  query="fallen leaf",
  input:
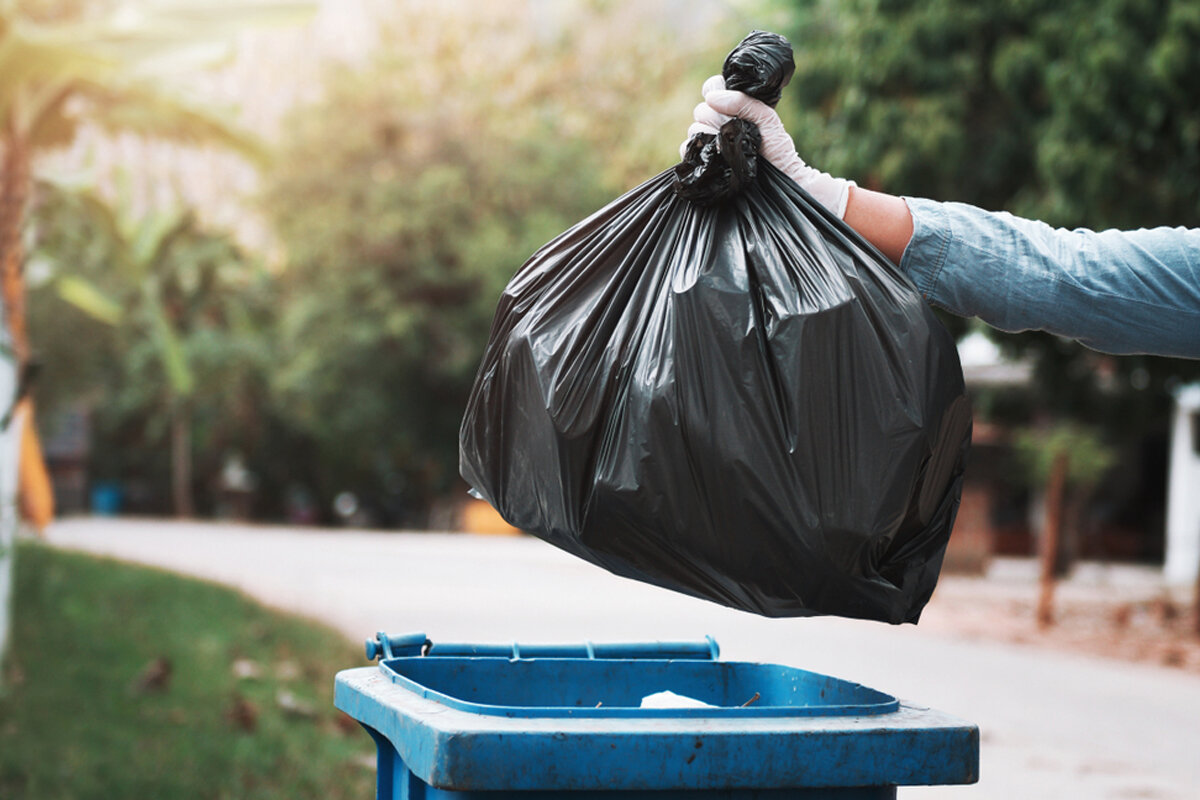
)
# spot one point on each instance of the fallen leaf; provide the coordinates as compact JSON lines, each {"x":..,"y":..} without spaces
{"x":243,"y":714}
{"x":154,"y":677}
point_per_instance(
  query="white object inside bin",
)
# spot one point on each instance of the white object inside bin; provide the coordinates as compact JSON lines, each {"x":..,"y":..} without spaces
{"x":668,"y":699}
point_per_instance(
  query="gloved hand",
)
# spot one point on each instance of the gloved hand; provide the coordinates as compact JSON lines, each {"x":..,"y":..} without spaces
{"x":721,"y":104}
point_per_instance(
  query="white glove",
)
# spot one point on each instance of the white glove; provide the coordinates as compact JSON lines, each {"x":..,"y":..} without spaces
{"x":721,"y":104}
{"x":708,"y":119}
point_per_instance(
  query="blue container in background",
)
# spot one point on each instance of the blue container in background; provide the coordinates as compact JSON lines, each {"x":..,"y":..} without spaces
{"x":453,"y":720}
{"x":106,"y":499}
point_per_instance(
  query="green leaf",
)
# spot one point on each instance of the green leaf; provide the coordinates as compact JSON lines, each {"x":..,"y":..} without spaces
{"x":143,"y":36}
{"x":170,"y":350}
{"x":152,"y":238}
{"x":145,"y":109}
{"x":89,"y":299}
{"x":30,"y":65}
{"x":78,"y":192}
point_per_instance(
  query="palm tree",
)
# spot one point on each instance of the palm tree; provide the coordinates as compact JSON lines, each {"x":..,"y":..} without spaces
{"x":65,"y":64}
{"x":59,"y":72}
{"x":166,"y":279}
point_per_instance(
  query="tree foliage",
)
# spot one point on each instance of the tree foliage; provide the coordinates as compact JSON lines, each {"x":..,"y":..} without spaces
{"x":1077,"y":113}
{"x":1089,"y":458}
{"x":409,"y":193}
{"x":66,"y":65}
{"x":153,"y":321}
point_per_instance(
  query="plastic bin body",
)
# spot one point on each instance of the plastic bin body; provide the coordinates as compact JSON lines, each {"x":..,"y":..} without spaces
{"x":474,"y":722}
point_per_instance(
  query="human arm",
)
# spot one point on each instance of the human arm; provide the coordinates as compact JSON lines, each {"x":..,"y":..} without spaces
{"x":882,"y":219}
{"x":1115,"y":291}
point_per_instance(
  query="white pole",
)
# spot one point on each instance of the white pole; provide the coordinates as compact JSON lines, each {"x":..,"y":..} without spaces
{"x":1183,"y":491}
{"x":10,"y":455}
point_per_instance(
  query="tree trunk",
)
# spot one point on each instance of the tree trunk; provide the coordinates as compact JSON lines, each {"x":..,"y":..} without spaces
{"x":181,"y":461}
{"x":1055,"y":500}
{"x":14,"y":195}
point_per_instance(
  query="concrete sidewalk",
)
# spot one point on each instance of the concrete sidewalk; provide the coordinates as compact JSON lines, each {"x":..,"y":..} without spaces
{"x":1054,"y":725}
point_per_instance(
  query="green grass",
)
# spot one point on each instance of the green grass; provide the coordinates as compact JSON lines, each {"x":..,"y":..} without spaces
{"x":73,"y":723}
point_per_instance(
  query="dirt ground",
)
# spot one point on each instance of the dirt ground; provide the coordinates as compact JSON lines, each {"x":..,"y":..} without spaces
{"x":1115,"y":611}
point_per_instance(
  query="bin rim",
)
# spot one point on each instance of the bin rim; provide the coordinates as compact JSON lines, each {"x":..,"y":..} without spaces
{"x":873,"y":702}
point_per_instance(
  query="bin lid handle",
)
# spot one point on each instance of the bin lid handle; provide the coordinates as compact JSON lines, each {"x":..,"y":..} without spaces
{"x":406,"y":644}
{"x":417,"y":644}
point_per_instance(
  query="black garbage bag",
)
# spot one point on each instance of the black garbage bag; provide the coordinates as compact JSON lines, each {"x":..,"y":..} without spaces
{"x":714,"y":385}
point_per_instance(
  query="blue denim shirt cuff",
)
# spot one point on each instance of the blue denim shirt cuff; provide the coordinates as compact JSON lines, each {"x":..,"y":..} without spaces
{"x":925,"y":256}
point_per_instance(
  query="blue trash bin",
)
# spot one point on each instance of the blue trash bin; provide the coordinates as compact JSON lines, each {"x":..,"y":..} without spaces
{"x":455,"y":721}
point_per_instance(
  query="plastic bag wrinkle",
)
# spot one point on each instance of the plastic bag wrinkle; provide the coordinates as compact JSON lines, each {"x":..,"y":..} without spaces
{"x":739,"y":400}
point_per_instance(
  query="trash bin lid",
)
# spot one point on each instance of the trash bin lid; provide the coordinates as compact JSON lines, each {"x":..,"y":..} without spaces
{"x":617,"y":687}
{"x":486,"y":717}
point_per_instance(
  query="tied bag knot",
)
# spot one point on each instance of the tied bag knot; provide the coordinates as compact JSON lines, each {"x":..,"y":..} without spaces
{"x":715,"y":168}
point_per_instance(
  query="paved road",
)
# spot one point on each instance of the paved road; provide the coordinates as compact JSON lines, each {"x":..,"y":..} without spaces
{"x":1053,"y":726}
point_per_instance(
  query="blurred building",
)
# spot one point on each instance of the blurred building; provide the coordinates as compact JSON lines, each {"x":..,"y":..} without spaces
{"x":993,"y":515}
{"x":66,"y":446}
{"x":1124,"y":519}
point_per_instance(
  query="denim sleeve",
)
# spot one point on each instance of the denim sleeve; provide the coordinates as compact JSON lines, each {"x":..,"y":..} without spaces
{"x":1114,"y":291}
